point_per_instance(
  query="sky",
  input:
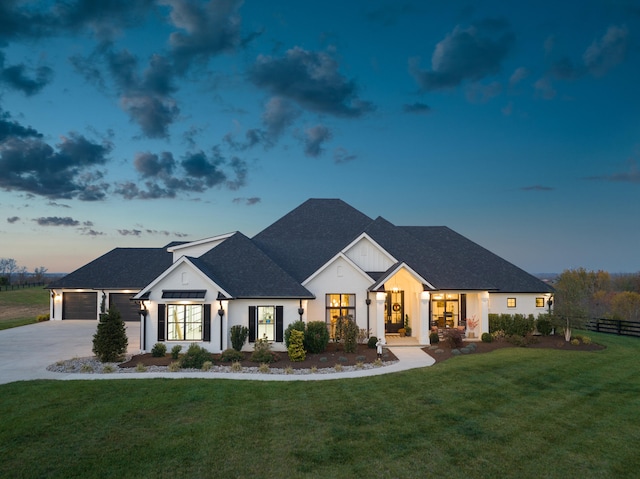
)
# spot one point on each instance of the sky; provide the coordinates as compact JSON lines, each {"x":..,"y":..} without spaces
{"x":134,"y":123}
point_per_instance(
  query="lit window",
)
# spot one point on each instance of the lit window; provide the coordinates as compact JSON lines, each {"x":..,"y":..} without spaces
{"x":511,"y":302}
{"x":266,"y":323}
{"x":539,"y":302}
{"x":339,"y":305}
{"x":184,"y":322}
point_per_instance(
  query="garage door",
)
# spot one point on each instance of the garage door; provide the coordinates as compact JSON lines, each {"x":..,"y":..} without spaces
{"x":80,"y":305}
{"x":128,"y":309}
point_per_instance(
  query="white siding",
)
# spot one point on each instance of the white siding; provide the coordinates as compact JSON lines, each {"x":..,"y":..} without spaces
{"x":368,"y":256}
{"x":525,"y":303}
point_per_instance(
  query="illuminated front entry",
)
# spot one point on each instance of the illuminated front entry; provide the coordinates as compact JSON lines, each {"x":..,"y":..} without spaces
{"x":394,"y":311}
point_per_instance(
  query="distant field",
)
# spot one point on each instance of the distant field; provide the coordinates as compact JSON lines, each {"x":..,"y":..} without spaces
{"x":22,"y":306}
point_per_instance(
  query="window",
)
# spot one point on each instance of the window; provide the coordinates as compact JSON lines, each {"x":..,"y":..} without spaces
{"x":184,"y":322}
{"x":511,"y":302}
{"x":338,"y":305}
{"x":539,"y":302}
{"x":267,"y":323}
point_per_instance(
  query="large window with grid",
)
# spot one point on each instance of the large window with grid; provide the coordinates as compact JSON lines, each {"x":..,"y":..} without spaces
{"x":338,"y":305}
{"x":184,"y":322}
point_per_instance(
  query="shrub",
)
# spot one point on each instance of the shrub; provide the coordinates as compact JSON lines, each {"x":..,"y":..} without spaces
{"x":486,"y":338}
{"x":543,"y":324}
{"x":230,"y":355}
{"x":295,"y":326}
{"x":453,"y":337}
{"x":338,"y":367}
{"x":347,"y":333}
{"x":238,"y":336}
{"x":264,"y":368}
{"x":296,"y":346}
{"x":206,"y":366}
{"x":110,"y":341}
{"x":158,"y":350}
{"x":108,"y":368}
{"x":262,"y":352}
{"x":195,"y":357}
{"x":371,"y":344}
{"x":316,"y":337}
{"x":141,"y":368}
{"x":434,"y":338}
{"x":575,"y":341}
{"x":236,"y":367}
{"x":175,"y":351}
{"x":174,"y":367}
{"x":511,"y":324}
{"x":86,"y":368}
{"x":42,"y":317}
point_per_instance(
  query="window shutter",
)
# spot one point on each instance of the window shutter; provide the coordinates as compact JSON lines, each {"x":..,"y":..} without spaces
{"x":161,"y":321}
{"x":206,"y":330}
{"x":279,"y":324}
{"x":252,"y":324}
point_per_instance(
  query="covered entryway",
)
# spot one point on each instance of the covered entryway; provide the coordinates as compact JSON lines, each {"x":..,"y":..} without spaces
{"x":80,"y":305}
{"x":394,"y":312}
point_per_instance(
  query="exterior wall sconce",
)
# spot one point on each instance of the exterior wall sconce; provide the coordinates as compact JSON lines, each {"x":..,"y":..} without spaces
{"x":300,"y":310}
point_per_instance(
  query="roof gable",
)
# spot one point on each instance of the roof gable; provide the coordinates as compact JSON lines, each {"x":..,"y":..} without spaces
{"x":309,"y":236}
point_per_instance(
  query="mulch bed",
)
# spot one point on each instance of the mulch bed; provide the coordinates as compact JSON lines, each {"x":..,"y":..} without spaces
{"x":333,"y":355}
{"x":328,"y":359}
{"x":537,"y":342}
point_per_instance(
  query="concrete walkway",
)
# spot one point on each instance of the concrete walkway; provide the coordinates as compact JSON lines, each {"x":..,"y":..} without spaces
{"x":25,"y":353}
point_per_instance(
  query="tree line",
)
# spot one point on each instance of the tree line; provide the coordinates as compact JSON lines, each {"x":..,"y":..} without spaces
{"x":12,"y":273}
{"x":582,"y":295}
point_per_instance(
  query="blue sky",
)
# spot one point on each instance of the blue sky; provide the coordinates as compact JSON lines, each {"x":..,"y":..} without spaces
{"x":139,"y":122}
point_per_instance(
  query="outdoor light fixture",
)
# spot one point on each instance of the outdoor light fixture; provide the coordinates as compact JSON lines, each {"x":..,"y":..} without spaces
{"x":300,"y":310}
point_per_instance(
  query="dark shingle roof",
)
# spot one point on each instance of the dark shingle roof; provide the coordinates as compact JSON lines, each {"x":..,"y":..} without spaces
{"x":310,"y":235}
{"x":505,"y":276}
{"x":441,"y":271}
{"x":244,"y":271}
{"x":120,"y":268}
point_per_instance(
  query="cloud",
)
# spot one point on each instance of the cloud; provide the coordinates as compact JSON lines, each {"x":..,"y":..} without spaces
{"x":312,"y":80}
{"x":518,"y":75}
{"x":130,"y":232}
{"x":13,"y":219}
{"x":206,"y":30}
{"x":279,"y":113}
{"x":314,"y":139}
{"x":17,"y":77}
{"x":166,"y":177}
{"x":29,"y":164}
{"x":10,"y":128}
{"x":417,"y":107}
{"x":630,"y":176}
{"x":537,"y":188}
{"x":544,"y":88}
{"x":341,"y":155}
{"x":247,"y":201}
{"x":464,"y":54}
{"x":56,"y":221}
{"x":609,"y":51}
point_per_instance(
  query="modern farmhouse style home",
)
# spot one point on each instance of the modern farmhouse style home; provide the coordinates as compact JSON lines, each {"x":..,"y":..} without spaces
{"x":323,"y":260}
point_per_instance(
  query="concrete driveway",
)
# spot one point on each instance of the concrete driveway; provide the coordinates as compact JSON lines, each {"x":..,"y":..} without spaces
{"x":26,"y":351}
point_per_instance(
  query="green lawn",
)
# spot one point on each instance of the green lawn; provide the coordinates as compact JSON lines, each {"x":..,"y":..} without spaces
{"x":36,"y":299}
{"x":512,"y":413}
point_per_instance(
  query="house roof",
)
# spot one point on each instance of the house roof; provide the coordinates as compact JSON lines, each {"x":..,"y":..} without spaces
{"x":245,"y":271}
{"x":303,"y":240}
{"x":504,"y":275}
{"x":120,"y":268}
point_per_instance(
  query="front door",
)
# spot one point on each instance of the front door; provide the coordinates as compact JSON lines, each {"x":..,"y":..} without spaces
{"x":394,"y":312}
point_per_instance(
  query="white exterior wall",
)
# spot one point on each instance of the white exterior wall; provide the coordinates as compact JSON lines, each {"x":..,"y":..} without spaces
{"x":525,"y":303}
{"x":368,"y":256}
{"x":340,"y":277}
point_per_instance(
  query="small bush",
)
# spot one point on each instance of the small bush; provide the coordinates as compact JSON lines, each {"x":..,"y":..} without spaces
{"x":174,"y":367}
{"x":238,"y":336}
{"x":207,"y":365}
{"x":363,"y":334}
{"x":264,"y":368}
{"x":158,"y":350}
{"x":86,"y":368}
{"x":347,"y":333}
{"x":295,"y":326}
{"x":175,"y":351}
{"x":42,"y":317}
{"x":108,"y":368}
{"x":262,"y":352}
{"x":377,"y":363}
{"x":316,"y":337}
{"x":434,"y":338}
{"x":371,"y":344}
{"x":486,"y":338}
{"x":236,"y":367}
{"x":110,"y":341}
{"x":314,"y":369}
{"x":230,"y":355}
{"x":141,"y":368}
{"x":453,"y":337}
{"x":575,"y":341}
{"x":543,"y":325}
{"x":338,"y":367}
{"x":296,"y":346}
{"x":195,"y":357}
{"x":288,"y":370}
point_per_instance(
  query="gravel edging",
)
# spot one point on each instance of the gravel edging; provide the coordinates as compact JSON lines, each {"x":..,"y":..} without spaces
{"x":91,"y":365}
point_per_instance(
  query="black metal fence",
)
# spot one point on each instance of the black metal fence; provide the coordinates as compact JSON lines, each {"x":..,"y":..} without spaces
{"x":614,"y":326}
{"x":11,"y":287}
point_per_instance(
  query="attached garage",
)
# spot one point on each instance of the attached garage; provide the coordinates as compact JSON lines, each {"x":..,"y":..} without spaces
{"x":129,"y":310}
{"x":83,"y":305}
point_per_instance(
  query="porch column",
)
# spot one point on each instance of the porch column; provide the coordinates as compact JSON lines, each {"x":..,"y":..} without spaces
{"x":484,"y":321}
{"x":424,"y":317}
{"x":380,"y":299}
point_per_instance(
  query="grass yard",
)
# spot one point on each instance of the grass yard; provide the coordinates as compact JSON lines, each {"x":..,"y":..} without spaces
{"x":21,"y":306}
{"x":513,"y":413}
